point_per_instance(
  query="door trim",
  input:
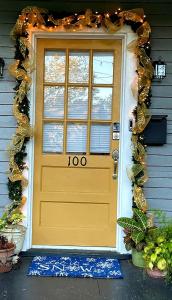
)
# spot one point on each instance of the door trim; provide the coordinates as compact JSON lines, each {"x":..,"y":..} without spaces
{"x":127,"y":104}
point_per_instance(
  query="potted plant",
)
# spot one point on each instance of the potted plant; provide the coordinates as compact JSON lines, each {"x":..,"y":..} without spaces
{"x":12,"y":229}
{"x":136,"y":230}
{"x":158,"y":252}
{"x":6,"y":253}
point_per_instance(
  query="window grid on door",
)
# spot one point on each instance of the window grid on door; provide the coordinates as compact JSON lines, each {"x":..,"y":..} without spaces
{"x":85,"y":122}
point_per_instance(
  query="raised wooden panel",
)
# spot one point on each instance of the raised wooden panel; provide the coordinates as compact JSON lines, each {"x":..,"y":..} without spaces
{"x":86,"y":215}
{"x":72,"y":180}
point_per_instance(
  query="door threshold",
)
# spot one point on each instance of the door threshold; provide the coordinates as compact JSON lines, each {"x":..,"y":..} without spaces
{"x":72,"y":252}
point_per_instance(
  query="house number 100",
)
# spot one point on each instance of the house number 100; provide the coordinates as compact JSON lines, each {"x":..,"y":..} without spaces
{"x":75,"y":161}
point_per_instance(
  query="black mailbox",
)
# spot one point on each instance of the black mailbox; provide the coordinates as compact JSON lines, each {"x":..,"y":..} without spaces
{"x":156,"y":131}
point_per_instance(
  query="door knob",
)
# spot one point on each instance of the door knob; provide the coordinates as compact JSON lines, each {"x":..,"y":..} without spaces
{"x":115,"y":156}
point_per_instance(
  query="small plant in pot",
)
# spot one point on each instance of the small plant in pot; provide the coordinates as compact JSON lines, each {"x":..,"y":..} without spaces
{"x":136,"y":230}
{"x":12,"y":229}
{"x":6,"y":254}
{"x":158,"y":252}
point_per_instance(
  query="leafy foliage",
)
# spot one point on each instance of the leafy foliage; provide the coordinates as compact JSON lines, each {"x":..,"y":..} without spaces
{"x":136,"y":229}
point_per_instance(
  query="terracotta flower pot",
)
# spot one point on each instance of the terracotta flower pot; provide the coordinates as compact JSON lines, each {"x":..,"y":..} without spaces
{"x":6,"y":259}
{"x":137,"y":258}
{"x":156,"y":273}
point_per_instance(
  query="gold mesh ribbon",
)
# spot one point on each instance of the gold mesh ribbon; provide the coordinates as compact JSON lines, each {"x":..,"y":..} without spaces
{"x":139,"y":198}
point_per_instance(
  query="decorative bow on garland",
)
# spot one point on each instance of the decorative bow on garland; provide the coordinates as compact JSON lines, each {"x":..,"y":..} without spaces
{"x":33,"y":18}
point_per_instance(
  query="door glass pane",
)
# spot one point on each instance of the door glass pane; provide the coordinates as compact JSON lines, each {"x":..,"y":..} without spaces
{"x":53,"y":137}
{"x":101,"y":103}
{"x":55,"y":61}
{"x":53,"y":102}
{"x":78,"y":66}
{"x":100,"y":139}
{"x":76,"y":138}
{"x":77,"y":103}
{"x":103,"y":67}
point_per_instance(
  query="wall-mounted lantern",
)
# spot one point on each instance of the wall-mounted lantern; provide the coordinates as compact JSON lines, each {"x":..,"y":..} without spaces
{"x":159,"y":69}
{"x":2,"y":65}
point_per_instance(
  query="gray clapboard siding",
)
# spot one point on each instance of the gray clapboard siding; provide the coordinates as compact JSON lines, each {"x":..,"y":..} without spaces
{"x":3,"y":178}
{"x":159,"y":193}
{"x":4,"y":166}
{"x":6,"y":110}
{"x":4,"y":156}
{"x":7,"y":52}
{"x":159,"y":172}
{"x":157,"y":44}
{"x":159,"y":204}
{"x":6,"y":86}
{"x":3,"y":189}
{"x":4,"y":144}
{"x":4,"y":200}
{"x":157,"y":182}
{"x":166,"y":81}
{"x":159,"y":160}
{"x":166,"y":54}
{"x":158,"y":91}
{"x":162,"y":33}
{"x":5,"y":40}
{"x":161,"y":103}
{"x":7,"y":121}
{"x":6,"y":133}
{"x":159,"y":188}
{"x":6,"y":98}
{"x":159,"y":150}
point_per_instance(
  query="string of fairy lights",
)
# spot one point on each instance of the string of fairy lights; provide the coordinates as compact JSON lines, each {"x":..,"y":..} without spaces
{"x":36,"y":19}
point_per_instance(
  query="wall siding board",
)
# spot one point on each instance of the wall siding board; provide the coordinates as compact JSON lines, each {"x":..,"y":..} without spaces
{"x":6,"y":110}
{"x":4,"y":144}
{"x":3,"y":178}
{"x":7,"y":121}
{"x":158,"y":189}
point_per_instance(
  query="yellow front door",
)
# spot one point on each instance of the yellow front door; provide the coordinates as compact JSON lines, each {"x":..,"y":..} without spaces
{"x":77,"y":110}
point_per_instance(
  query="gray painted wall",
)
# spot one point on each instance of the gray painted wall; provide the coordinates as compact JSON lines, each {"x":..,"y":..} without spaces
{"x":159,"y":187}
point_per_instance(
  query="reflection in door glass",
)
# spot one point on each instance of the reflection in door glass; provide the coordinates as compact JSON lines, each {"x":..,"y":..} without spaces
{"x":76,"y":138}
{"x":53,"y":137}
{"x":103,"y":67}
{"x":55,"y":61}
{"x":78,"y":66}
{"x":101,"y":103}
{"x":100,"y":139}
{"x":77,"y":103}
{"x":53,"y":102}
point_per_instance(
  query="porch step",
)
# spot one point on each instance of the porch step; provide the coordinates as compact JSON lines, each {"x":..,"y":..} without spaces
{"x":63,"y":252}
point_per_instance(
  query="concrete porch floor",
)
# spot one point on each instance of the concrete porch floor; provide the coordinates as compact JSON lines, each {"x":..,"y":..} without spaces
{"x":136,"y":285}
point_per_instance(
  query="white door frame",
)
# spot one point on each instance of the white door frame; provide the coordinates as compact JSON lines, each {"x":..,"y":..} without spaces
{"x":127,"y":104}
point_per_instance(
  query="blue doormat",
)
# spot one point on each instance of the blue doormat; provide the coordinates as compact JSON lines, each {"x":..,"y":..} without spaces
{"x":75,"y":266}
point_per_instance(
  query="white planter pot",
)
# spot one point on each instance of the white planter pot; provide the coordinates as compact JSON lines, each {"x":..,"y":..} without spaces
{"x":15,"y":234}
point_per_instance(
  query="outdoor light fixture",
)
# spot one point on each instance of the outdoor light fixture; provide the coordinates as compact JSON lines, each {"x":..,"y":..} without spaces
{"x":159,"y":69}
{"x":2,"y":64}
